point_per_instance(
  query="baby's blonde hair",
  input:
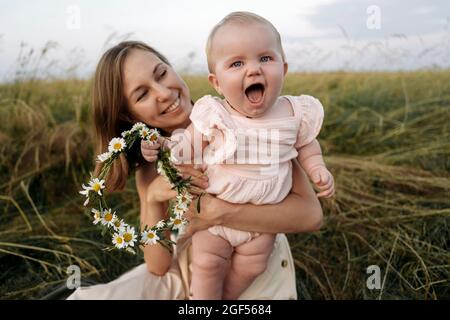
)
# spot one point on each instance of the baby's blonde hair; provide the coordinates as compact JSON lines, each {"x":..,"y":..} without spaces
{"x":241,"y":17}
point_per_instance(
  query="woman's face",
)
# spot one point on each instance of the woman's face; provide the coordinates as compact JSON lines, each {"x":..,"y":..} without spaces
{"x":155,"y":93}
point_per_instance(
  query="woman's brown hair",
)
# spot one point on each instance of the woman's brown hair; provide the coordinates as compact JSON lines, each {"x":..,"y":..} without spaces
{"x":111,"y":113}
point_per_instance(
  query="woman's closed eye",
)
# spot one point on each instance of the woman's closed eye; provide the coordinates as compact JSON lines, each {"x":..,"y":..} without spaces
{"x":162,"y":74}
{"x":142,"y":95}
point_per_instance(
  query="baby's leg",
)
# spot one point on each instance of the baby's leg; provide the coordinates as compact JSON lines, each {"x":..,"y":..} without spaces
{"x":249,"y":260}
{"x":210,"y":261}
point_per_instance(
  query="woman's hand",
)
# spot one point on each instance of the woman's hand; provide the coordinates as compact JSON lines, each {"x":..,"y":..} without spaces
{"x":196,"y":173}
{"x":161,"y":191}
{"x":211,"y":212}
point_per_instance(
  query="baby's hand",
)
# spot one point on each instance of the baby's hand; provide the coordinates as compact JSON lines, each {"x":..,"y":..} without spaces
{"x":150,"y":151}
{"x":323,"y":179}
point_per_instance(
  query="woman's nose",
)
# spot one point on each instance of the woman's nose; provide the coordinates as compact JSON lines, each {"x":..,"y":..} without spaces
{"x":162,"y":93}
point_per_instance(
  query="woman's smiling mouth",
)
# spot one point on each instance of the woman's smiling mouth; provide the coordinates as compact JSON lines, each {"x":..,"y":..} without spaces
{"x":173,"y":107}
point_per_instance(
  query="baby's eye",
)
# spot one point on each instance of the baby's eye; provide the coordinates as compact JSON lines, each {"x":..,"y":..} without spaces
{"x":265,"y":59}
{"x":236,"y":64}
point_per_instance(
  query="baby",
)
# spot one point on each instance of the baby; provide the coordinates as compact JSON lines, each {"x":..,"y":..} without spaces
{"x":247,"y":66}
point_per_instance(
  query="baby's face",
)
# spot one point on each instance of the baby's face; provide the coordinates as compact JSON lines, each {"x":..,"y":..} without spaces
{"x":248,"y":67}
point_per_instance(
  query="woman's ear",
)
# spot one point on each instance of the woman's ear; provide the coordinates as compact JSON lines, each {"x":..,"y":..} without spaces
{"x":213,"y":81}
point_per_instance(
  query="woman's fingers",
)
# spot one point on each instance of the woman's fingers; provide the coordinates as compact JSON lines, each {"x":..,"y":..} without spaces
{"x":198,"y":178}
{"x":196,"y":190}
{"x":149,"y":146}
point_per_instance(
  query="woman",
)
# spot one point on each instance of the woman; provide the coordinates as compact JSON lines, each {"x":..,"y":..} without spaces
{"x":134,"y":82}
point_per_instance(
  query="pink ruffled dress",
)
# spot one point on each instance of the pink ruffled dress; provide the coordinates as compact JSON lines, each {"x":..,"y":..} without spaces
{"x":240,"y":167}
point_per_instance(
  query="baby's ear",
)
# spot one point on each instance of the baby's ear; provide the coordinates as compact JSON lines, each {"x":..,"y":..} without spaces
{"x":285,"y":66}
{"x":213,"y":81}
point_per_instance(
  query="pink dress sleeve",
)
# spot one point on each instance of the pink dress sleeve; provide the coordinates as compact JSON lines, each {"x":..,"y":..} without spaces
{"x":215,"y":123}
{"x":310,"y":112}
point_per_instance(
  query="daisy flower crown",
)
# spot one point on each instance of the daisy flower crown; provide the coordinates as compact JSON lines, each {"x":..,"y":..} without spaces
{"x":123,"y":235}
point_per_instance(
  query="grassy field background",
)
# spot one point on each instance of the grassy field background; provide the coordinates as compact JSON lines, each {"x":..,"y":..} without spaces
{"x":386,"y":139}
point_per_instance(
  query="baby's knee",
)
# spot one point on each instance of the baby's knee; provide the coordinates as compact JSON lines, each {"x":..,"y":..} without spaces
{"x":210,"y":263}
{"x":257,"y":268}
{"x":251,"y":266}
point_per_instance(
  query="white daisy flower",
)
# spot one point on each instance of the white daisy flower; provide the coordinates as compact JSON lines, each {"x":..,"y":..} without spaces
{"x":161,"y":224}
{"x":152,"y":136}
{"x":86,"y":190}
{"x":108,"y":218}
{"x":144,"y":132}
{"x":95,"y":185}
{"x":129,"y":236}
{"x":177,"y":222}
{"x":104,"y":156}
{"x":138,"y":126}
{"x":179,"y":210}
{"x":118,"y":240}
{"x":184,"y":200}
{"x":149,"y":237}
{"x":185,"y":197}
{"x":130,"y":250}
{"x":119,"y":224}
{"x":125,"y":133}
{"x":159,"y":168}
{"x":116,"y":145}
{"x":97,"y":216}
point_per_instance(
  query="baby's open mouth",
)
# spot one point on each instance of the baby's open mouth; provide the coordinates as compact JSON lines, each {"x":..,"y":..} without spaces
{"x":255,"y":92}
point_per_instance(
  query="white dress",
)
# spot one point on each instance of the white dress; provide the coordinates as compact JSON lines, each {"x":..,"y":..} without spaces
{"x":276,"y":283}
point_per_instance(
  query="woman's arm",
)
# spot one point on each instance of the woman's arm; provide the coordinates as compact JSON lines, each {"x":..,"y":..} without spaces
{"x":154,"y":193}
{"x":300,"y":211}
{"x":157,"y":258}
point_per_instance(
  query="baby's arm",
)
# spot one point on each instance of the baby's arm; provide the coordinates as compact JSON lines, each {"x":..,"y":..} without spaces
{"x":186,"y":145}
{"x":310,"y":158}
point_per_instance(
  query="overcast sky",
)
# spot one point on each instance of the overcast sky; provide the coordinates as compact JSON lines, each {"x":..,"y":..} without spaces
{"x":317,"y":34}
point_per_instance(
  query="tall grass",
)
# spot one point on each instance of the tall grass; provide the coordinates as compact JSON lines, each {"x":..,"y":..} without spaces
{"x":385,"y":139}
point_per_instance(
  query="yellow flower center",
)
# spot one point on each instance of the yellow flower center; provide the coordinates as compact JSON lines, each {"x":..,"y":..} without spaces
{"x":119,"y":240}
{"x":117,"y":146}
{"x":177,"y":221}
{"x":127,"y":237}
{"x":96,"y":187}
{"x":153,"y":137}
{"x":108,"y":217}
{"x":144,"y":133}
{"x":117,"y":223}
{"x":150,"y":235}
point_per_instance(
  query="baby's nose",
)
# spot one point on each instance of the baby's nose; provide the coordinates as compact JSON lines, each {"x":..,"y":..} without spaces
{"x":253,"y":68}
